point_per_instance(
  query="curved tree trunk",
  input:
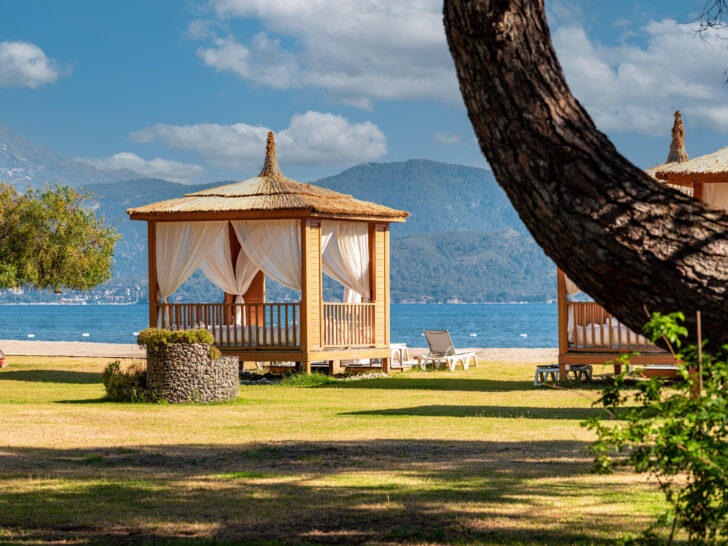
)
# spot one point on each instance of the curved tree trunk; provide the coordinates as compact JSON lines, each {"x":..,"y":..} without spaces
{"x":630,"y":242}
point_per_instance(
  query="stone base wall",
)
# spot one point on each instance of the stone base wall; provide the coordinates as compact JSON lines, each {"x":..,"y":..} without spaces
{"x":184,"y":372}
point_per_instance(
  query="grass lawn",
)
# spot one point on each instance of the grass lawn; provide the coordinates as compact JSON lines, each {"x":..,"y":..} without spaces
{"x":479,"y":456}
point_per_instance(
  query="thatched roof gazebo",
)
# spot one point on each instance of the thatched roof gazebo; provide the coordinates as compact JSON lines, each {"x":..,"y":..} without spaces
{"x":707,"y":175}
{"x":291,"y":232}
{"x":704,"y":177}
{"x":678,"y":154}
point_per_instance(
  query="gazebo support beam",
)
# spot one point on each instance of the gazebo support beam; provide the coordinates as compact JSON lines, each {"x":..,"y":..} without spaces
{"x":311,"y":298}
{"x":379,"y":271}
{"x":152,"y":259}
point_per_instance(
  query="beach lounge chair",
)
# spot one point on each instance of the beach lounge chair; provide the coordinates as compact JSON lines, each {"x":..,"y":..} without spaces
{"x":442,"y":351}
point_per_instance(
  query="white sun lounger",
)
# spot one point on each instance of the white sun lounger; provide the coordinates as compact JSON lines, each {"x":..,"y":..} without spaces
{"x":442,"y":352}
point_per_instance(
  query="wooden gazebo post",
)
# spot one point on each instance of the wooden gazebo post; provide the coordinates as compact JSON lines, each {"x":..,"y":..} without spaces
{"x":311,"y":294}
{"x":379,"y":288}
{"x":152,"y":258}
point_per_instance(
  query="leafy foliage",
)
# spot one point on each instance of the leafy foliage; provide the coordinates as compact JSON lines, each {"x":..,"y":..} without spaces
{"x":157,"y":339}
{"x":676,"y":434}
{"x":49,"y":241}
{"x":127,"y":385}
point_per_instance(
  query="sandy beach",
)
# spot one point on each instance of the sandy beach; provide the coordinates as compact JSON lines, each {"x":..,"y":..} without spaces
{"x":118,"y":350}
{"x":13,"y":347}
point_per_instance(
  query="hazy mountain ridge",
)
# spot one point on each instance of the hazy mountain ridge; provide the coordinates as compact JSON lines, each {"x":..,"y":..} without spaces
{"x":469,"y":267}
{"x":492,"y":261}
{"x":23,"y":162}
{"x":440,"y":196}
{"x":463,"y":241}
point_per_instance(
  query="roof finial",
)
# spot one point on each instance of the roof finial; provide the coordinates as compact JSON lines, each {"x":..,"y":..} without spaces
{"x":270,"y":167}
{"x":677,"y":146}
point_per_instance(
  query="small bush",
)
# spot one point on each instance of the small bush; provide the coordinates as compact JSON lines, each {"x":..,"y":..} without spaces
{"x":678,"y":432}
{"x":127,"y":385}
{"x":157,"y":339}
{"x":315,"y":379}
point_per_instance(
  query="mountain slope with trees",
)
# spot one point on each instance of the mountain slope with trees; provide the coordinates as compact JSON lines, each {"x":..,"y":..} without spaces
{"x":463,"y":242}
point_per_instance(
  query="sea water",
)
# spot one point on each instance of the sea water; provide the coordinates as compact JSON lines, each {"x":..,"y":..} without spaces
{"x":474,"y":325}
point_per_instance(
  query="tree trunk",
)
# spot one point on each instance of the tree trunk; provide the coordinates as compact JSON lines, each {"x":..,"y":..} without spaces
{"x":630,"y":242}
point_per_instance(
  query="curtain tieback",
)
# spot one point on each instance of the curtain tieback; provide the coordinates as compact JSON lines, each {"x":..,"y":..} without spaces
{"x":239,"y":319}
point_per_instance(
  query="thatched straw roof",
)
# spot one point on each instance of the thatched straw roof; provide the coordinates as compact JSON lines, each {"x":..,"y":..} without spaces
{"x":268,"y":192}
{"x":711,"y":164}
{"x":678,"y":154}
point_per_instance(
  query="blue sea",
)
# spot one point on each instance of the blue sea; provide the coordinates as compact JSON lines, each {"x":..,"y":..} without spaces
{"x":476,"y":325}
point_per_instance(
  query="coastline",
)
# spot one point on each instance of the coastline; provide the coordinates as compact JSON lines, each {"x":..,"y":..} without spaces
{"x":13,"y":347}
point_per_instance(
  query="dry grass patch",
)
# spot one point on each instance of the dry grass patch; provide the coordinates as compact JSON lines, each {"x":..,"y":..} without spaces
{"x":468,"y":457}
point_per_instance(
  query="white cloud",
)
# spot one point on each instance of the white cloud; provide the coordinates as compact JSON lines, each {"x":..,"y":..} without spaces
{"x":443,"y":137}
{"x":631,"y":88}
{"x":266,"y":63}
{"x":23,"y":64}
{"x":312,"y":138}
{"x":359,"y":50}
{"x":155,"y":168}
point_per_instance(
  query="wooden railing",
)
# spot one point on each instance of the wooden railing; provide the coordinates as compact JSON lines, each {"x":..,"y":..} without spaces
{"x":258,"y":325}
{"x":591,"y":328}
{"x":348,"y":324}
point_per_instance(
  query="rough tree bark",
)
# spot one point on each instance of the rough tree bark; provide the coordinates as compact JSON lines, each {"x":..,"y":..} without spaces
{"x":627,"y":240}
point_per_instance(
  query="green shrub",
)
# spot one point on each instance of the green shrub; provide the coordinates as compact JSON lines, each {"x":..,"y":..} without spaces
{"x":315,"y":379}
{"x":158,"y":339}
{"x":127,"y":385}
{"x":675,"y":433}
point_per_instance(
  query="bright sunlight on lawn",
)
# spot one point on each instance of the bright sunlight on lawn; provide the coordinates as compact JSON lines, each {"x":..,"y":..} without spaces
{"x":475,"y":456}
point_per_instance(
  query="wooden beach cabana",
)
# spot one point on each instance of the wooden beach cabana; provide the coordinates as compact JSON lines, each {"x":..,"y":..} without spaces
{"x":588,"y":334}
{"x":293,"y":233}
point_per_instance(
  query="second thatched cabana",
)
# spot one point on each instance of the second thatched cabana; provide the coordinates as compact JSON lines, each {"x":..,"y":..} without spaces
{"x":293,"y":233}
{"x":588,"y":333}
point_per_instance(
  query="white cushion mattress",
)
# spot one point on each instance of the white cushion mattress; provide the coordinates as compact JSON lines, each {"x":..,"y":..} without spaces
{"x":584,"y":337}
{"x":257,"y":336}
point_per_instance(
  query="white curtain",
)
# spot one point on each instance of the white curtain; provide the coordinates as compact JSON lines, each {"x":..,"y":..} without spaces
{"x":274,"y":246}
{"x":716,"y":194}
{"x":181,"y":248}
{"x":571,"y":291}
{"x":571,"y":288}
{"x":218,"y":268}
{"x":346,"y":258}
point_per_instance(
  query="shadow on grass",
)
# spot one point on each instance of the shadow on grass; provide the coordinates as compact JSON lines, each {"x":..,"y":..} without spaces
{"x":489,"y":411}
{"x":312,"y":492}
{"x":51,"y":376}
{"x":99,"y":400}
{"x":437,"y":383}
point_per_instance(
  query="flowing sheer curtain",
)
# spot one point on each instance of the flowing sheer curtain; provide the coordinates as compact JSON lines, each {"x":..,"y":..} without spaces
{"x":218,"y":268}
{"x":346,"y":258}
{"x":274,"y":246}
{"x":571,"y":291}
{"x":571,"y":287}
{"x":716,"y":194}
{"x":181,"y":248}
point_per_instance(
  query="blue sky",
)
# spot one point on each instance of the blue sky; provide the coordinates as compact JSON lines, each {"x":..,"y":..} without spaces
{"x":186,"y":90}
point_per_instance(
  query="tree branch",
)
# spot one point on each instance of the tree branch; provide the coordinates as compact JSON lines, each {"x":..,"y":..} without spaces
{"x":624,"y":238}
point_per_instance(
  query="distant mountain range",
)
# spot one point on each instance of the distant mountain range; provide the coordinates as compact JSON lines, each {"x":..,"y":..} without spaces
{"x":24,"y":163}
{"x":463,"y":242}
{"x":440,"y":196}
